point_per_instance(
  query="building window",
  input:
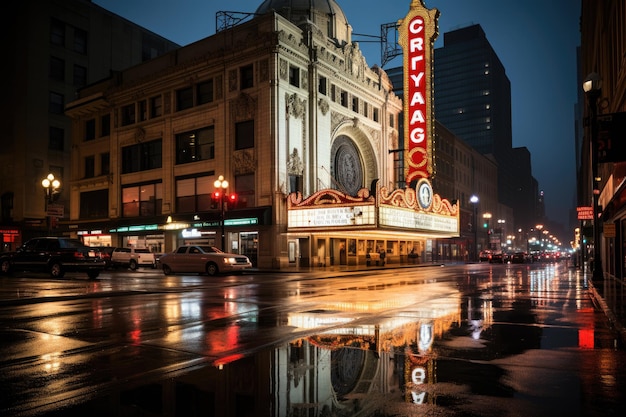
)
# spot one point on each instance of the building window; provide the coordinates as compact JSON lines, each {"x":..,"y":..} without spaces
{"x":57,"y":32}
{"x":105,"y":125}
{"x":355,"y":104}
{"x":321,"y":85}
{"x":80,"y":41}
{"x":244,"y":135}
{"x":156,"y":106}
{"x":80,"y":76}
{"x":294,"y":76}
{"x":105,"y":163}
{"x":141,"y":157}
{"x":56,"y":139}
{"x":56,"y":103}
{"x":344,"y":98}
{"x":205,"y":92}
{"x":90,"y":166}
{"x":57,"y":68}
{"x":194,"y":194}
{"x":376,"y":115}
{"x":128,"y":114}
{"x":333,"y":93}
{"x":197,"y":145}
{"x":392,"y":120}
{"x":94,"y":204}
{"x":142,"y":200}
{"x":246,"y":77}
{"x":184,"y":98}
{"x":90,"y":129}
{"x":244,"y":187}
{"x":143,"y":110}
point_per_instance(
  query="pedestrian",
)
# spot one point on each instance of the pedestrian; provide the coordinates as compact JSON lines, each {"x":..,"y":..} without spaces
{"x":382,"y":257}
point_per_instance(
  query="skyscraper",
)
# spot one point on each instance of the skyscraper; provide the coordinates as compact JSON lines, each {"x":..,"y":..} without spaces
{"x":473,"y":100}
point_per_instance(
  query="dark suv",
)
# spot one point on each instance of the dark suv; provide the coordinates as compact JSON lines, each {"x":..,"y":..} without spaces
{"x":55,"y":255}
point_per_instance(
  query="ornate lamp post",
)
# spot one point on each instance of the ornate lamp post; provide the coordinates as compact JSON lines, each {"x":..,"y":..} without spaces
{"x":221,"y":185}
{"x":592,"y":86}
{"x":51,"y":187}
{"x":474,"y":201}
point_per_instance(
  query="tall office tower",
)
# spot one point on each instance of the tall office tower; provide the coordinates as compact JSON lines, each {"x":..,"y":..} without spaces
{"x":52,"y":49}
{"x":473,"y":100}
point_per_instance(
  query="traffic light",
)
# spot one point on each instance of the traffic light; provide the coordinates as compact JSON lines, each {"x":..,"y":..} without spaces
{"x":232,"y":200}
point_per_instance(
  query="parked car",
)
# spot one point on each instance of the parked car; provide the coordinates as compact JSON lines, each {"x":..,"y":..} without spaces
{"x":133,"y":258}
{"x":105,"y":254}
{"x":202,"y":259}
{"x":55,"y":255}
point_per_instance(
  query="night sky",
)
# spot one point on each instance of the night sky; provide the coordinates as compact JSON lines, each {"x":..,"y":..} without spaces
{"x":536,"y":41}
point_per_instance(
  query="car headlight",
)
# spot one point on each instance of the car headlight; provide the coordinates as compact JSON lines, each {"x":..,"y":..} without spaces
{"x":230,"y":260}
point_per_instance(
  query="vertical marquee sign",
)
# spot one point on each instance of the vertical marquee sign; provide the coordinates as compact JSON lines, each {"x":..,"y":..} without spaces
{"x":418,"y":31}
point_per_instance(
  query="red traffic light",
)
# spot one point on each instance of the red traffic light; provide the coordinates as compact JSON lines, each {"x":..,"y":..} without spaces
{"x":232,"y":198}
{"x":217,"y":195}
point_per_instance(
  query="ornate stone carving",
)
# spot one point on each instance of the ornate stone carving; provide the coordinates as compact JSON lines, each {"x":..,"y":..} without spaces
{"x":244,"y":162}
{"x":244,"y":107}
{"x":283,"y":70}
{"x":295,"y":106}
{"x":323,"y":105}
{"x":295,"y":166}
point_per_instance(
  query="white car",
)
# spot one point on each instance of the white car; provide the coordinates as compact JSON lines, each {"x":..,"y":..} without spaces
{"x":203,"y":260}
{"x":132,"y":258}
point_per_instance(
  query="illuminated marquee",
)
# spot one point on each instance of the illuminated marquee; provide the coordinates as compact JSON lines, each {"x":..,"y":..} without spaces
{"x":418,"y":31}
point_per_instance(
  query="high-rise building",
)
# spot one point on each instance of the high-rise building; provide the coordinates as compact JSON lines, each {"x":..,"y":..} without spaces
{"x":53,"y":48}
{"x":473,"y":100}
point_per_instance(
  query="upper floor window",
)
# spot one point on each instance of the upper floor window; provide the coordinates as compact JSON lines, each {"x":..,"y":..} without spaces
{"x":105,"y":125}
{"x":105,"y":163}
{"x":80,"y":41}
{"x":94,"y":204}
{"x":244,"y":135}
{"x":90,"y":129}
{"x":57,"y":32}
{"x":80,"y":75}
{"x":142,"y":156}
{"x":57,"y":103}
{"x":294,"y":76}
{"x":246,"y":77}
{"x":56,"y":140}
{"x":197,"y":145}
{"x":205,"y":92}
{"x":156,"y":106}
{"x":57,"y":68}
{"x":344,"y":98}
{"x":184,"y":98}
{"x":128,"y":114}
{"x":321,"y":85}
{"x":90,"y":166}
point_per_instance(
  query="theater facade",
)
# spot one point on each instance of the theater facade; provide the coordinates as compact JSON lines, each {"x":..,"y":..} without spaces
{"x":285,"y":108}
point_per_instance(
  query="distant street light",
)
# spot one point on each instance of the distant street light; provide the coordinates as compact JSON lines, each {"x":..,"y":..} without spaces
{"x":474,"y":201}
{"x":592,"y":86}
{"x":51,"y":187}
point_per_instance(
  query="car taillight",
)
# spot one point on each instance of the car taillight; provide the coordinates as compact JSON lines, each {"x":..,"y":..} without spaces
{"x":78,"y":255}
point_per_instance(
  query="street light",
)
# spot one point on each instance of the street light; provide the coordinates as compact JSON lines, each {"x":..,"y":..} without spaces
{"x":474,"y":201}
{"x":51,"y":187}
{"x":221,"y":186}
{"x":592,"y":86}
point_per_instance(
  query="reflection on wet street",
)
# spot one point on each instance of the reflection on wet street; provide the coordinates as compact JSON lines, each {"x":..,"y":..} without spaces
{"x":467,"y":340}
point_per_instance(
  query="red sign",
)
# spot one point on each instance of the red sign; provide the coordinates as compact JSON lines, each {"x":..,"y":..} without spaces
{"x":585,"y":213}
{"x":417,"y":33}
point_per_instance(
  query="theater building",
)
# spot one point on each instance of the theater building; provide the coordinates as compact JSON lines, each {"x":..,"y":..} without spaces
{"x":285,"y":108}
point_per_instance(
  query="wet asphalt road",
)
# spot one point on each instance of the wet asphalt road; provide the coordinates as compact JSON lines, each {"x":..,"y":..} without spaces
{"x":464,"y":340}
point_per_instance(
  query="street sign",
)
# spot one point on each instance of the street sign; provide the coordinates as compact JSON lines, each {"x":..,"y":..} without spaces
{"x":608,"y":230}
{"x":612,"y":137}
{"x":585,"y":213}
{"x":55,"y":210}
